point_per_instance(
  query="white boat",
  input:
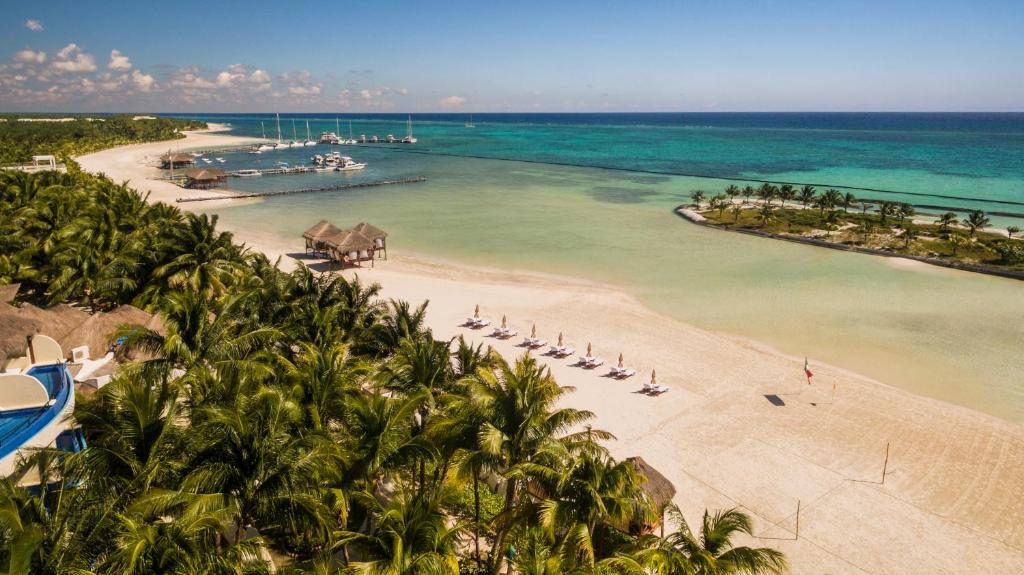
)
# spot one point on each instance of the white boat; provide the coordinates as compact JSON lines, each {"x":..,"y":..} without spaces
{"x":329,"y":138}
{"x":265,"y":148}
{"x":347,"y":164}
{"x":280,"y":144}
{"x":309,"y":141}
{"x":247,"y":173}
{"x":470,"y":123}
{"x":391,"y":139}
{"x":208,"y":161}
{"x":221,"y":160}
{"x":409,"y":138}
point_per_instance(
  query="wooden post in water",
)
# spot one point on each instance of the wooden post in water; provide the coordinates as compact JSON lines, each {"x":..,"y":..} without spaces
{"x":885,"y":465}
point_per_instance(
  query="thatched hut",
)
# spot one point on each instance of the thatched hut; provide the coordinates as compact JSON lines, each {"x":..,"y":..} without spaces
{"x":350,"y":246}
{"x":205,"y":178}
{"x":376,"y":234}
{"x":18,"y":322}
{"x":315,"y":235}
{"x":172,"y":160}
{"x":658,"y":488}
{"x":99,"y":331}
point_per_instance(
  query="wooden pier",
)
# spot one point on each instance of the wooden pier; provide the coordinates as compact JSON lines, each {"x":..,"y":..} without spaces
{"x":413,"y":180}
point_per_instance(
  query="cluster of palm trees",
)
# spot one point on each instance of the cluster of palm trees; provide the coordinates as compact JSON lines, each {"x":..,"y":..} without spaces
{"x":297,"y":419}
{"x":887,"y":215}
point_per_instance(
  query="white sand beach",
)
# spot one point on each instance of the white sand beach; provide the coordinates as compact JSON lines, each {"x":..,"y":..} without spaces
{"x":740,"y":426}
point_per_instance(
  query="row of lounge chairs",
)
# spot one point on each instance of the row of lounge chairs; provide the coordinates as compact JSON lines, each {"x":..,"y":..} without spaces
{"x":364,"y":242}
{"x":588,"y":361}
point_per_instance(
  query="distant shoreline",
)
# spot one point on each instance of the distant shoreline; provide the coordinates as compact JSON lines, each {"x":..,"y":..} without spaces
{"x":689,"y":215}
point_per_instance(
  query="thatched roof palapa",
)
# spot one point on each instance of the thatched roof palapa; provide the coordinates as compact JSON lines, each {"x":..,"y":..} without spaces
{"x":321,"y":230}
{"x":656,"y":485}
{"x":206,"y":174}
{"x":349,"y":240}
{"x":18,"y":322}
{"x":370,"y":231}
{"x":177,"y":158}
{"x":98,"y":330}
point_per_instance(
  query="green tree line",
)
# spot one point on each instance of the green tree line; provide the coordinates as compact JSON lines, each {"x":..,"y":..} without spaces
{"x":19,"y":141}
{"x":298,"y":416}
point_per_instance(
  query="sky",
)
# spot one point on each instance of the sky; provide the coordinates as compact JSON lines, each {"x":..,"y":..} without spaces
{"x":524,"y":56}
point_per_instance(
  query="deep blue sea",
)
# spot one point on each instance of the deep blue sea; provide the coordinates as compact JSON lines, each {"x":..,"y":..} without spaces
{"x":933,"y":160}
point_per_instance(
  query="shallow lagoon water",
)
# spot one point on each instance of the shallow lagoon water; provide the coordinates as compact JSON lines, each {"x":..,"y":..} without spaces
{"x":950,"y":335}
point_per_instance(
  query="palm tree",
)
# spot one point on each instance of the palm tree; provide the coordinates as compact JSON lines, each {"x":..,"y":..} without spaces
{"x":1010,"y":230}
{"x":766,"y":215}
{"x":904,"y":211}
{"x":831,"y":221}
{"x":733,"y":191}
{"x":697,"y":196}
{"x":518,"y":403}
{"x":721,"y":204}
{"x":956,"y":241}
{"x":910,"y":233}
{"x":976,"y":220}
{"x":766,"y":192}
{"x":207,"y":260}
{"x":712,"y":551}
{"x":848,"y":200}
{"x":747,"y":192}
{"x":786,"y":192}
{"x":408,"y":535}
{"x":251,"y":460}
{"x":806,"y":195}
{"x":947,"y":220}
{"x":736,"y":213}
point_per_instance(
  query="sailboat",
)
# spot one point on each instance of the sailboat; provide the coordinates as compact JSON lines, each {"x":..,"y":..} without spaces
{"x":470,"y":123}
{"x":264,"y":147}
{"x":295,"y":136}
{"x":280,"y":145}
{"x":309,"y":141}
{"x":409,"y":138}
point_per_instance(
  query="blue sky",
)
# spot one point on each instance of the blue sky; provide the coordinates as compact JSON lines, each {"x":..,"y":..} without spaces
{"x":822,"y":55}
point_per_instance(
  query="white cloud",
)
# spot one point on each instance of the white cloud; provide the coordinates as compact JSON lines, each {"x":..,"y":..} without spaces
{"x":144,"y":82}
{"x":452,"y":102}
{"x":34,"y":25}
{"x":189,"y":78}
{"x":119,"y":61}
{"x":72,"y":59}
{"x":304,"y":90}
{"x":29,"y":57}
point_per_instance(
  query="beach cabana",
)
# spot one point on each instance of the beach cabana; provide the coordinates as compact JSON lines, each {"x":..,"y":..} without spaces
{"x":205,"y":178}
{"x":315,"y":235}
{"x":658,"y":488}
{"x":172,"y":160}
{"x":350,"y":246}
{"x":376,"y":234}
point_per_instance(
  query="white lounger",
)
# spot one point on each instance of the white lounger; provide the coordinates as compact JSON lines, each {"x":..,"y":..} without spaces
{"x":537,"y":343}
{"x":622,"y":372}
{"x":591,"y":362}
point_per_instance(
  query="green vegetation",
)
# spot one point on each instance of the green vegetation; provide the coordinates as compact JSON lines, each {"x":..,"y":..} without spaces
{"x":19,"y":141}
{"x":882,"y":225}
{"x":298,"y":414}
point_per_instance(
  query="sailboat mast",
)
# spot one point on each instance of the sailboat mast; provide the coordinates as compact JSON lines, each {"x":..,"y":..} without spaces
{"x":307,"y":130}
{"x":278,"y":127}
{"x":337,"y":127}
{"x":263,"y":130}
{"x":350,"y":129}
{"x":295,"y":137}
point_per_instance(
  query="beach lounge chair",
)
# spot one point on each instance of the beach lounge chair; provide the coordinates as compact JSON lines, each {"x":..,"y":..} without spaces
{"x":622,"y":372}
{"x":563,"y":351}
{"x":537,"y":343}
{"x":508,"y":333}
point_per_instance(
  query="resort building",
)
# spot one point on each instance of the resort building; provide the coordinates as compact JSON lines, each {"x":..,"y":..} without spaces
{"x":205,"y":178}
{"x":37,"y":397}
{"x":172,"y":160}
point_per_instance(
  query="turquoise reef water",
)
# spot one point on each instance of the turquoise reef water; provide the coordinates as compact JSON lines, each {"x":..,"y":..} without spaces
{"x":592,"y":196}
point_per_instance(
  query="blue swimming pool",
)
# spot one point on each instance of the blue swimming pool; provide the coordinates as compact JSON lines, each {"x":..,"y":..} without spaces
{"x":19,"y":426}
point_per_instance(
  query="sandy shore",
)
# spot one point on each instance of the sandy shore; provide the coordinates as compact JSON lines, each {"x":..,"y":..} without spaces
{"x":740,"y":426}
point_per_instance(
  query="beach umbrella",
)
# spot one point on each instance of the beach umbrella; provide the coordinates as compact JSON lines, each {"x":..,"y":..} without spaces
{"x":559,"y":339}
{"x":503,"y":322}
{"x":588,"y":349}
{"x":620,"y":360}
{"x":533,"y":332}
{"x":653,"y":377}
{"x":476,"y":312}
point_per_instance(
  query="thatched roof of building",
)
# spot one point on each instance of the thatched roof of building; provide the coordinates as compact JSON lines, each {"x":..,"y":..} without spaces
{"x":348,"y":240}
{"x":9,"y":292}
{"x":98,"y":331}
{"x":206,"y":174}
{"x":177,"y":158}
{"x":27,"y":319}
{"x":320,"y":230}
{"x":370,"y":231}
{"x":656,"y":485}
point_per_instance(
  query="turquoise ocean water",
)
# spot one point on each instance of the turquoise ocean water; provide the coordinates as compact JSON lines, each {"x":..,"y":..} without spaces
{"x":592,"y":196}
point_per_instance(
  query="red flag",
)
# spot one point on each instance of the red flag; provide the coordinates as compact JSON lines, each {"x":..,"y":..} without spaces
{"x":807,"y":371}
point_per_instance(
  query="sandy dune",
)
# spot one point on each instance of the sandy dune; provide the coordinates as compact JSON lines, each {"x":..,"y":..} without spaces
{"x":740,"y":426}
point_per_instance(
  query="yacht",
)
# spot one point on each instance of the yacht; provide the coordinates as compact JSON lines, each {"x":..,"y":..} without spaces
{"x":391,"y":139}
{"x":409,"y":138}
{"x":247,"y":173}
{"x":329,"y":138}
{"x":470,"y":123}
{"x":349,"y":165}
{"x":221,"y":160}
